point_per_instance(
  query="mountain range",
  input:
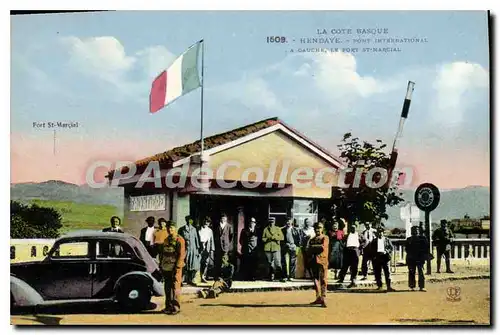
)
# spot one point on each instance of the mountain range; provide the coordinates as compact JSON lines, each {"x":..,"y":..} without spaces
{"x":455,"y":203}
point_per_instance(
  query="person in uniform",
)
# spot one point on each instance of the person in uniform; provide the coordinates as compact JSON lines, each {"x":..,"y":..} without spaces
{"x":317,"y":252}
{"x":223,"y":283}
{"x":172,"y":254}
{"x":193,"y":250}
{"x":443,"y":237}
{"x":272,"y":237}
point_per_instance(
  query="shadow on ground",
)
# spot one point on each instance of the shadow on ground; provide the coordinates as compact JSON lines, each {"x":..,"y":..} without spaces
{"x":436,"y":320}
{"x":75,"y":308}
{"x":259,"y":306}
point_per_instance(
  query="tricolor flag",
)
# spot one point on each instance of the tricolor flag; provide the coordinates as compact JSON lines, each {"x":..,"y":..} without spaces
{"x":180,"y":78}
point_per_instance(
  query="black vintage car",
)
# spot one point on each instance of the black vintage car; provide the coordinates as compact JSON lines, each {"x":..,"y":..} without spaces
{"x":87,"y":266}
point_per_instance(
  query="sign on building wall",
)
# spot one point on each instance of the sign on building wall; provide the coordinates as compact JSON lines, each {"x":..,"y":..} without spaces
{"x":156,"y":202}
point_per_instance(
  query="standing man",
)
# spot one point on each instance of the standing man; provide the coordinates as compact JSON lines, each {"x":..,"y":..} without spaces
{"x":290,"y":243}
{"x":193,"y":247}
{"x":115,"y":225}
{"x":368,"y":236}
{"x":381,"y":250}
{"x":223,"y":238}
{"x":172,"y":253}
{"x":351,"y":255}
{"x":317,"y":252}
{"x":147,"y":235}
{"x":417,"y":252}
{"x":249,"y":240}
{"x":443,"y":237}
{"x":272,"y":237}
{"x":207,"y":248}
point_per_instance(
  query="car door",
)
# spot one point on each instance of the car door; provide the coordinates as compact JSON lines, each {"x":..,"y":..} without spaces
{"x":66,"y":272}
{"x":113,"y":259}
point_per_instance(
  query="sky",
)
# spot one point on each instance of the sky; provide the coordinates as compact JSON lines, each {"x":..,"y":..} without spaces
{"x":96,"y":69}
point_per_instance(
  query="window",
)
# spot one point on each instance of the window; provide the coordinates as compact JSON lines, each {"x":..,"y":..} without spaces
{"x":33,"y":251}
{"x":279,"y":209}
{"x":305,"y":210}
{"x":113,"y":249}
{"x":71,"y":250}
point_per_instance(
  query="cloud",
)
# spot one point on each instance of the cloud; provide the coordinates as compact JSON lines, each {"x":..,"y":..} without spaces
{"x":252,"y":92}
{"x":103,"y":57}
{"x":336,"y":73}
{"x":455,"y":86}
{"x":154,"y":59}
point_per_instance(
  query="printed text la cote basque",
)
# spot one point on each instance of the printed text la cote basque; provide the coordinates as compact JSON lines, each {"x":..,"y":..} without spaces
{"x":349,"y":31}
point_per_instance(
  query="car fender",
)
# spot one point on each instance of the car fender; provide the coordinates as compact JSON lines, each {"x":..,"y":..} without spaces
{"x":23,"y":294}
{"x":156,"y":287}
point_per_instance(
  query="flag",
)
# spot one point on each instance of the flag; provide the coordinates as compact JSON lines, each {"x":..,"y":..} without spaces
{"x":180,"y":78}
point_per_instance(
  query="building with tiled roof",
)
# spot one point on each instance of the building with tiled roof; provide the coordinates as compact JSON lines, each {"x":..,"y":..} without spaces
{"x":266,"y":165}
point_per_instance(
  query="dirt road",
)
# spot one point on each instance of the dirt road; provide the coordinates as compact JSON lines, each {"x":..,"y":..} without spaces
{"x":360,"y":306}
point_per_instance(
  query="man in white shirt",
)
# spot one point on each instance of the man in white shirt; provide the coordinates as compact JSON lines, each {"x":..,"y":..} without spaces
{"x":147,"y":235}
{"x":351,"y":255}
{"x":368,"y":236}
{"x":381,"y":248}
{"x":208,"y":247}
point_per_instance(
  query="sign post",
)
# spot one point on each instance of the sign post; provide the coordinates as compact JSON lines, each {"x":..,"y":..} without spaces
{"x":427,"y":199}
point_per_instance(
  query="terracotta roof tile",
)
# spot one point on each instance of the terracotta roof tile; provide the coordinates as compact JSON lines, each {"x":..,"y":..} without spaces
{"x":167,"y":158}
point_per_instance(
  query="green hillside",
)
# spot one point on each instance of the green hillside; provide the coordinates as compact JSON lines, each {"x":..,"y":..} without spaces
{"x":77,"y":216}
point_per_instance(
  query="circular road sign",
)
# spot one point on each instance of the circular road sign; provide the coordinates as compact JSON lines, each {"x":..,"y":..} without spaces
{"x":427,"y":197}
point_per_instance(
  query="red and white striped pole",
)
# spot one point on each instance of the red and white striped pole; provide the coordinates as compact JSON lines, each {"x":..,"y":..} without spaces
{"x":404,"y":116}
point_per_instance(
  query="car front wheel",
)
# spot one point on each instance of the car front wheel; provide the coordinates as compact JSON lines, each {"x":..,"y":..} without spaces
{"x":133,"y":295}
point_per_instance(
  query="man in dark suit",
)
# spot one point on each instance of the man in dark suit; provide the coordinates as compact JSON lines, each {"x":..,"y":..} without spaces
{"x":147,"y":235}
{"x":381,"y":250}
{"x":249,"y":240}
{"x":115,"y":223}
{"x":289,"y":247}
{"x":223,"y":238}
{"x":443,"y":237}
{"x":417,"y":253}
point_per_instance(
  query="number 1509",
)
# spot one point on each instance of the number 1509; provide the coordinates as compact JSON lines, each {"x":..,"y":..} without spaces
{"x":276,"y":39}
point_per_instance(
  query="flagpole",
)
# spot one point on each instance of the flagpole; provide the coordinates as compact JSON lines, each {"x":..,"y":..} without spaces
{"x":202,"y":79}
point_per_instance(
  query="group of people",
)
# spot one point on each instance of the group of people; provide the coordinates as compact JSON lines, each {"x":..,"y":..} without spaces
{"x":322,"y":246}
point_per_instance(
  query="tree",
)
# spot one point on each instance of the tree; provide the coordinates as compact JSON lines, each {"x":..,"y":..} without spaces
{"x":363,"y":203}
{"x":34,"y":221}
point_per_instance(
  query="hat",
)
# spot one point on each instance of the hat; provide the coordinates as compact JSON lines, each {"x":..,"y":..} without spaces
{"x":271,"y":219}
{"x":252,"y":220}
{"x":319,"y":225}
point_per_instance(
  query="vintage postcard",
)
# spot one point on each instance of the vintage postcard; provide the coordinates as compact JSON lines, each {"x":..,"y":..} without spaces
{"x":250,"y":168}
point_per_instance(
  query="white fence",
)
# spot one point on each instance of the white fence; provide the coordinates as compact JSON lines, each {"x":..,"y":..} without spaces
{"x":460,"y":248}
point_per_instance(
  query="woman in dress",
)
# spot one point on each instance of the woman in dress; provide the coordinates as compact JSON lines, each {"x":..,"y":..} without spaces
{"x":336,"y":247}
